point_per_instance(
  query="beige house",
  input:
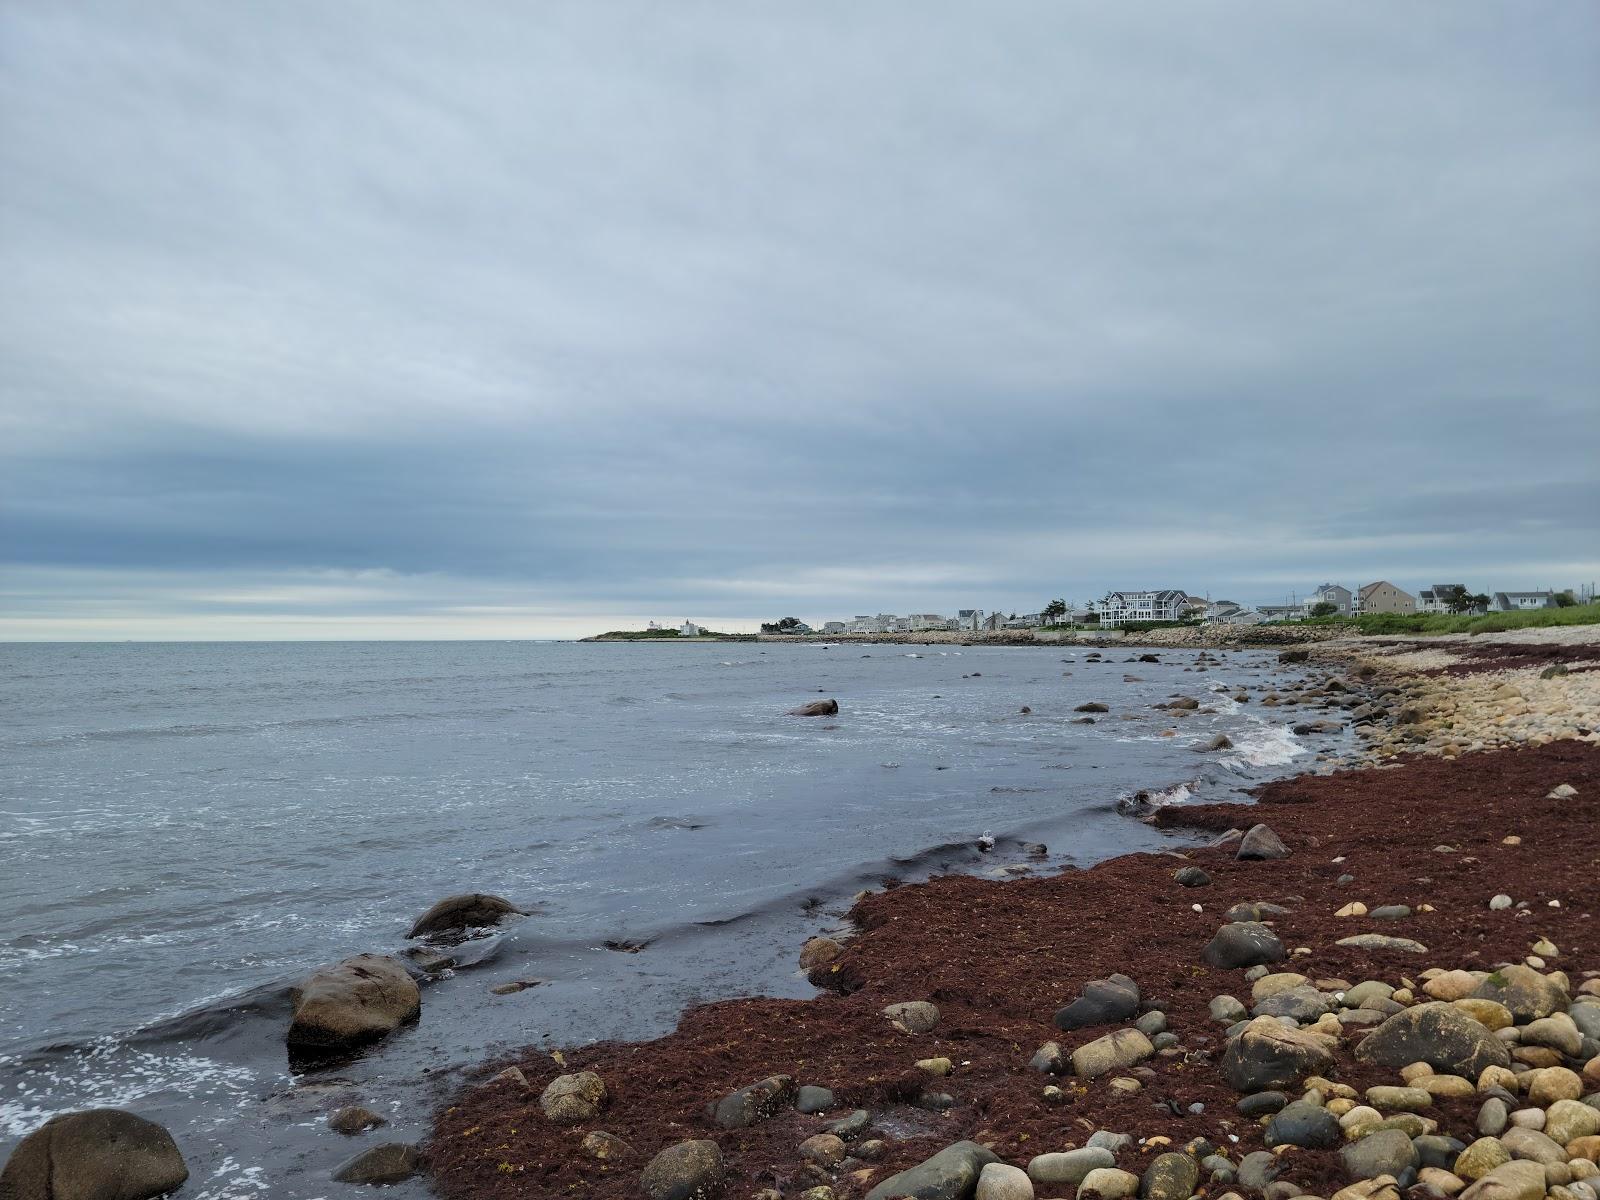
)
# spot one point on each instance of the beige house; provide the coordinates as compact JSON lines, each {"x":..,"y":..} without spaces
{"x":1384,"y":597}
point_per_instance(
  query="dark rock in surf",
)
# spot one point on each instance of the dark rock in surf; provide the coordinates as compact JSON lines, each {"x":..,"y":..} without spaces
{"x":354,"y":1119}
{"x":817,"y":708}
{"x":102,"y":1152}
{"x":469,"y":910}
{"x":392,"y":1162}
{"x":346,"y":1005}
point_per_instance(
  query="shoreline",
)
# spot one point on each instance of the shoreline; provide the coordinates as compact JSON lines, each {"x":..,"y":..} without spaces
{"x":990,"y":956}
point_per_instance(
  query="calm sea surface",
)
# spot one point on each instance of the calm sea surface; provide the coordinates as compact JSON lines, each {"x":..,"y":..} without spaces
{"x":187,"y":829}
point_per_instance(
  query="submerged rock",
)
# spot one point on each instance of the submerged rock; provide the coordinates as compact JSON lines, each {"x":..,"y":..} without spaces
{"x":392,"y":1162}
{"x":353,"y":1119}
{"x":94,"y":1155}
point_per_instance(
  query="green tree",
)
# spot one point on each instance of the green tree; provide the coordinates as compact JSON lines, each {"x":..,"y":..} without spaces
{"x":1456,"y":598}
{"x":1054,"y":611}
{"x":1565,"y":599}
{"x":1324,"y":608}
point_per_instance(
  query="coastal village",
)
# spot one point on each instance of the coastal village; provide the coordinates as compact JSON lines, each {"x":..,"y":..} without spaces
{"x":1171,"y":606}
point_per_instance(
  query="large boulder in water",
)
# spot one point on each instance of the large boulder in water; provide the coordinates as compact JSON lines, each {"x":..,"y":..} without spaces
{"x":359,"y":1000}
{"x":817,"y":708}
{"x":100,"y":1154}
{"x":469,"y":910}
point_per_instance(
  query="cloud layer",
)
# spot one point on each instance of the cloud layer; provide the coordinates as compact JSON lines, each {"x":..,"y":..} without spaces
{"x":378,"y":320}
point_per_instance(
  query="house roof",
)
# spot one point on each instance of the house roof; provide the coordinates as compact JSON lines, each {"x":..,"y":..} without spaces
{"x":1538,"y":594}
{"x":1368,"y":589}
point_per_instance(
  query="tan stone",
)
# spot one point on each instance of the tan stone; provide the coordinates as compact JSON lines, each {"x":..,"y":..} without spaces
{"x":1585,"y":1147}
{"x":1412,"y":1072}
{"x":1568,"y":1120}
{"x":1271,"y":985}
{"x":1536,"y":1056}
{"x":1497,"y":1077}
{"x":1489,"y":1013}
{"x":1547,"y":1086}
{"x":1440,"y":1180}
{"x":1360,"y":1121}
{"x":1354,"y":909}
{"x":1398,"y":1099}
{"x":1452,"y":985}
{"x":819,"y":952}
{"x":1384,"y":1187}
{"x":569,"y":1099}
{"x":1509,"y":1181}
{"x":1114,"y":1051}
{"x":935,"y":1066}
{"x":1446,"y":1085}
{"x":1483,"y":1156}
{"x":1532,"y":1145}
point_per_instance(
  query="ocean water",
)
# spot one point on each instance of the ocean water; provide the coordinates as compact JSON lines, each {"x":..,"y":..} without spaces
{"x":187,"y":829}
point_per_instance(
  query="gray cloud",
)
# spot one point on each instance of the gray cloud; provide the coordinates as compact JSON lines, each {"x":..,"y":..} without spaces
{"x":541,"y":317}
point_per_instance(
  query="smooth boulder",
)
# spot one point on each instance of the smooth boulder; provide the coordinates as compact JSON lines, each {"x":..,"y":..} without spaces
{"x":1113,"y":1052}
{"x":751,"y":1103}
{"x":1528,"y":994}
{"x":570,"y":1099}
{"x":351,"y":1003}
{"x":1244,"y":944}
{"x":98,"y":1154}
{"x":1301,"y":1124}
{"x":469,"y":910}
{"x":1269,"y":1054}
{"x":1439,"y":1034}
{"x":686,"y":1171}
{"x":1259,"y":842}
{"x":951,"y":1174}
{"x":1103,"y":1001}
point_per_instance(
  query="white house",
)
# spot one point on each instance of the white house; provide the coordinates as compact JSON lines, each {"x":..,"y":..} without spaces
{"x":969,"y":618}
{"x":1118,"y":608}
{"x":1521,"y":601}
{"x":690,"y":629}
{"x":1282,"y":612}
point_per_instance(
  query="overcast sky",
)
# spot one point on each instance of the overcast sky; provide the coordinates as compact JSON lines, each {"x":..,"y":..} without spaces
{"x":503,"y":319}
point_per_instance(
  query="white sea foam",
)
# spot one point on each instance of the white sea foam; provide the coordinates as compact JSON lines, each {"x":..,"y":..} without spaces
{"x":1266,"y":745}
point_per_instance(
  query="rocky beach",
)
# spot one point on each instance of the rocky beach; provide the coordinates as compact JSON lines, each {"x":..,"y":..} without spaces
{"x":1379,"y":979}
